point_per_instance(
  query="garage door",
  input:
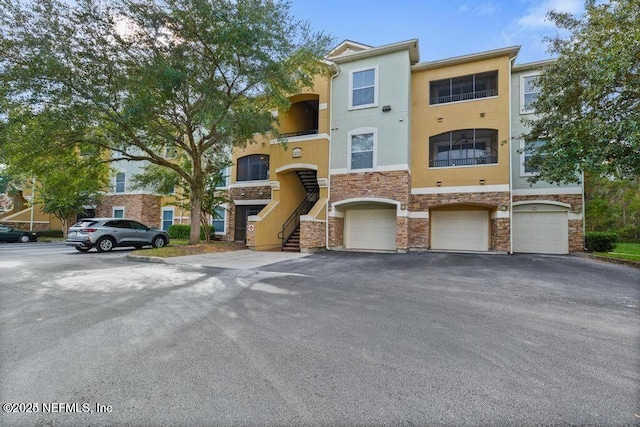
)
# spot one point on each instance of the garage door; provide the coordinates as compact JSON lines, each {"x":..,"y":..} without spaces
{"x":373,"y":229}
{"x":540,"y":232}
{"x":460,"y":230}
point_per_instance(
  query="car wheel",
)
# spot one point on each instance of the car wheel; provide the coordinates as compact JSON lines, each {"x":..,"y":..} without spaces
{"x":159,"y":242}
{"x":81,"y":249}
{"x":24,"y":239}
{"x":105,"y":244}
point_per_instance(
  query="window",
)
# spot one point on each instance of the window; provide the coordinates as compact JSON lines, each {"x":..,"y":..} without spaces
{"x":118,"y":212}
{"x":362,"y":144}
{"x":253,"y":168}
{"x":363,"y":88}
{"x":529,"y":93}
{"x":167,"y":218}
{"x":218,"y":220}
{"x":528,"y":150}
{"x":465,"y":147}
{"x":463,"y":88}
{"x":120,"y":179}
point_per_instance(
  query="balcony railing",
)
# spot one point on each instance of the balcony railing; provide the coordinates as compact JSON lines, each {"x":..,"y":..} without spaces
{"x":463,"y":162}
{"x":464,"y":96}
{"x":301,"y":133}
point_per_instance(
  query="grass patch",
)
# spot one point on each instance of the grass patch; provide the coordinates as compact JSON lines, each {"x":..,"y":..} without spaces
{"x":628,"y":251}
{"x":182,"y":248}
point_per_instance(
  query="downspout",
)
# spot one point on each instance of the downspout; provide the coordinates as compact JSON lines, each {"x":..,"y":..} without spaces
{"x":584,"y":213}
{"x":511,"y":61}
{"x":329,"y":162}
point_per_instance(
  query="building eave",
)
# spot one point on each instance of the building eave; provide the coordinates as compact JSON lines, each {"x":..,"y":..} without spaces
{"x":511,"y":51}
{"x":411,"y":45}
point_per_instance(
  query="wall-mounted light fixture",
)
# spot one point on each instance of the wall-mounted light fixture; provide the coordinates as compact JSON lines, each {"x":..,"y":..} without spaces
{"x":481,"y":114}
{"x":482,"y":182}
{"x":439,"y":183}
{"x":503,"y":207}
{"x":386,"y":108}
{"x":403,"y":207}
{"x":440,"y":119}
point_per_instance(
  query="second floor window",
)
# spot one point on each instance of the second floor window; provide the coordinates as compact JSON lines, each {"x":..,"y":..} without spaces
{"x":530,"y":92}
{"x":465,"y":147}
{"x":363,"y":88}
{"x":362,"y":148}
{"x":528,"y":150}
{"x":463,"y":88}
{"x":253,"y":168}
{"x":120,"y":180}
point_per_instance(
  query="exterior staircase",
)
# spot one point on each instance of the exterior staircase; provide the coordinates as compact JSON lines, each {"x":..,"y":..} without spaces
{"x":292,"y":244}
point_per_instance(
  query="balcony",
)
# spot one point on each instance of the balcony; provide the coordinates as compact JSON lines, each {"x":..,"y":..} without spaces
{"x":299,"y":133}
{"x":464,"y":96}
{"x":485,"y":160}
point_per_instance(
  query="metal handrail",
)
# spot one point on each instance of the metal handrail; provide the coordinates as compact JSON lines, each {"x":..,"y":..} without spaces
{"x":293,"y":221}
{"x":300,"y":133}
{"x":464,"y":96}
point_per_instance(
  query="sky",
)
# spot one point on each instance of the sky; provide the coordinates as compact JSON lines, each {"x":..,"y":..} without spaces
{"x":444,"y":28}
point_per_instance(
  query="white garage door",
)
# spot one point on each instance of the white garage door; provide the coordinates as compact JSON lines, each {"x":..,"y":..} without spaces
{"x":540,"y":232}
{"x":373,"y":229}
{"x":460,"y":230}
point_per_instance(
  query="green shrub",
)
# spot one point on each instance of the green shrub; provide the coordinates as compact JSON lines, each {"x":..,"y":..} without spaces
{"x":597,"y":241}
{"x":49,"y":233}
{"x":182,"y":231}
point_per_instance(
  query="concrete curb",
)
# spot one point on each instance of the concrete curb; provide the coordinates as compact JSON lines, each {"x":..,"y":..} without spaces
{"x":142,"y":258}
{"x":607,"y":259}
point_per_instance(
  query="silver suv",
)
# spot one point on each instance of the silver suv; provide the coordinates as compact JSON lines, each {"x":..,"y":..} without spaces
{"x":107,"y":233}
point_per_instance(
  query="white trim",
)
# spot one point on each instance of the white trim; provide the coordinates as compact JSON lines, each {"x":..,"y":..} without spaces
{"x":322,"y":106}
{"x":15,"y":214}
{"x":118,"y":208}
{"x":547,"y":191}
{"x":333,"y":213}
{"x":574,"y":216}
{"x":391,"y":168}
{"x":302,"y":138}
{"x":375,"y":88}
{"x":399,"y":211}
{"x":363,"y":131}
{"x":522,"y":77}
{"x":296,"y":166}
{"x":423,"y":215}
{"x":309,"y":218}
{"x":541,"y":202}
{"x":500,"y":214}
{"x":275,"y":185}
{"x":461,"y":189}
{"x":323,"y":182}
{"x":339,"y":171}
{"x":464,"y":100}
{"x":244,"y":184}
{"x":252,"y":202}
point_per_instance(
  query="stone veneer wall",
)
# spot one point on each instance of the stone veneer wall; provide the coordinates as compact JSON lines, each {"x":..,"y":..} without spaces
{"x":24,"y":225}
{"x":141,"y":207}
{"x":336,"y":232}
{"x":392,"y":185}
{"x":576,"y":230}
{"x":420,"y":227}
{"x":312,"y":235}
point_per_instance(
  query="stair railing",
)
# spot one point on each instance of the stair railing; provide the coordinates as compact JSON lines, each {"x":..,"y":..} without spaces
{"x":293,"y":221}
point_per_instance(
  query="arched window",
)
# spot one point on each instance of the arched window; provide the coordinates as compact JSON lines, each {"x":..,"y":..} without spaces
{"x":465,"y":147}
{"x":253,"y":168}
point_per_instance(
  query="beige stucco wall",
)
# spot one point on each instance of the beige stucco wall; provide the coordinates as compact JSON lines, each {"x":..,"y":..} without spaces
{"x":486,"y":113}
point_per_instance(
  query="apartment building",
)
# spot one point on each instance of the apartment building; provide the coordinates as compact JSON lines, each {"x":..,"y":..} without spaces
{"x":408,"y":155}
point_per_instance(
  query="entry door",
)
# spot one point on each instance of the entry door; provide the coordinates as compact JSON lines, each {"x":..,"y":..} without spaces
{"x":243,"y":212}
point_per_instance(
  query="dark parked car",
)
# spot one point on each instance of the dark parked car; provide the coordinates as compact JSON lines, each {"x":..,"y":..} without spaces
{"x":10,"y":234}
{"x":107,"y":233}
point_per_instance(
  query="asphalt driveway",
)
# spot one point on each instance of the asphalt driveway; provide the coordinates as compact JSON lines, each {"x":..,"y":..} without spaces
{"x":334,"y":338}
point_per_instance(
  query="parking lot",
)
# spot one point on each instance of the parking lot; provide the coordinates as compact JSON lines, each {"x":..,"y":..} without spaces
{"x":333,"y":338}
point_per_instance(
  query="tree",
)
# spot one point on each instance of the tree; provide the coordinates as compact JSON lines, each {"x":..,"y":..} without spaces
{"x":69,"y":173}
{"x":588,"y":107}
{"x":191,"y":76}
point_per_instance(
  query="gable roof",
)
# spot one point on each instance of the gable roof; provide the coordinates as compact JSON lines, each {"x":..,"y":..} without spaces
{"x":350,"y":51}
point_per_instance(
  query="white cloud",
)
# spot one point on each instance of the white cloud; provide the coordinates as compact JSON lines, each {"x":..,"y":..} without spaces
{"x":536,"y":16}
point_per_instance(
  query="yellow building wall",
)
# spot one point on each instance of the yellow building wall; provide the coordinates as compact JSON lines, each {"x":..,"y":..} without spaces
{"x":486,"y":113}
